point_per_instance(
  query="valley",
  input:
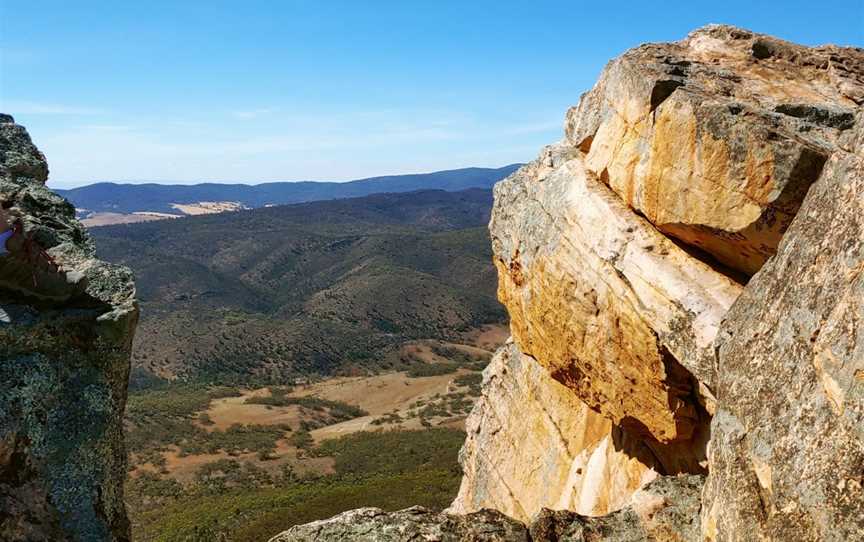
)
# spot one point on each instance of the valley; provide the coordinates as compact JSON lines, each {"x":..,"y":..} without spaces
{"x":190,"y":443}
{"x":320,"y":288}
{"x":278,"y":347}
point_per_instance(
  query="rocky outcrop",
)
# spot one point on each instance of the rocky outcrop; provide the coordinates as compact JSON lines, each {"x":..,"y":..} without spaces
{"x":716,"y":139}
{"x":417,"y":523}
{"x":609,"y":306}
{"x":66,"y":325}
{"x":787,"y":448}
{"x":568,"y":457}
{"x":687,"y":262}
{"x":666,"y":511}
{"x":624,"y":253}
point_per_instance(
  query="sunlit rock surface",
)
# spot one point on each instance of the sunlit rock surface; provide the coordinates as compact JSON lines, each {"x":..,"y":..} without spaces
{"x":532,"y":444}
{"x":687,"y":263}
{"x":611,"y":308}
{"x":716,"y":139}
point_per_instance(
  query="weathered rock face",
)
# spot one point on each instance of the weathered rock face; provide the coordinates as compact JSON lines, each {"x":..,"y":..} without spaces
{"x":691,"y":252}
{"x":716,"y":139}
{"x":787,"y":449}
{"x":667,"y":510}
{"x":568,"y":458}
{"x":610,"y":307}
{"x":66,"y":325}
{"x":417,"y":523}
{"x":623,"y":252}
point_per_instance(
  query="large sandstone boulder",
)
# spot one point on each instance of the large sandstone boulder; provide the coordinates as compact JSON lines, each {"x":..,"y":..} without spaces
{"x":612,"y":308}
{"x":691,"y":253}
{"x":564,"y":448}
{"x":532,"y":444}
{"x":66,"y":325}
{"x":716,"y":139}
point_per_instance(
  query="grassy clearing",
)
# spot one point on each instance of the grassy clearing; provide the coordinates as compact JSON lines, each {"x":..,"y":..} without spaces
{"x":338,"y":410}
{"x":240,"y":502}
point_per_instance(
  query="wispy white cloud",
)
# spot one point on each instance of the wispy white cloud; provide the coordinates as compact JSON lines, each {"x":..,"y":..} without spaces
{"x":14,"y":107}
{"x":254,"y":113}
{"x":291,"y":145}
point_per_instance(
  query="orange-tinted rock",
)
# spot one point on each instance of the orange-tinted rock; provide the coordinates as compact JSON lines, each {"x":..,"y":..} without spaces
{"x":610,"y":307}
{"x":716,"y":139}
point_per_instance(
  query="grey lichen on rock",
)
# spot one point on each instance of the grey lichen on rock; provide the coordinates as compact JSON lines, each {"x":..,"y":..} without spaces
{"x":417,"y":523}
{"x":66,"y":326}
{"x":667,"y":510}
{"x":787,"y":450}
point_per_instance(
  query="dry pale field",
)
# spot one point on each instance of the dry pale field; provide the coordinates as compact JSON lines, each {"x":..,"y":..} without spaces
{"x":208,"y":207}
{"x":488,"y":337}
{"x":108,"y":219}
{"x":379,"y":395}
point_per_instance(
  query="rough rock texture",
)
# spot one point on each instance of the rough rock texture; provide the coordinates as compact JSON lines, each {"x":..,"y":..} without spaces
{"x":622,"y":247}
{"x":65,"y":332}
{"x":568,"y":458}
{"x":787,"y":450}
{"x":716,"y":139}
{"x":614,"y":310}
{"x":417,"y":523}
{"x":666,"y":510}
{"x":690,"y":254}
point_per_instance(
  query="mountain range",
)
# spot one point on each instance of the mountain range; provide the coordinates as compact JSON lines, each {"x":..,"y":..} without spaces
{"x":163,"y":198}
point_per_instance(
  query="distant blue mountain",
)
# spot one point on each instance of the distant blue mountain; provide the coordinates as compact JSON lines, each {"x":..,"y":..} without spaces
{"x":130,"y":198}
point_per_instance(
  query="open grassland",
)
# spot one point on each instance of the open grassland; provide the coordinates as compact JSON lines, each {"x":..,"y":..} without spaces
{"x":246,"y":462}
{"x":237,"y":501}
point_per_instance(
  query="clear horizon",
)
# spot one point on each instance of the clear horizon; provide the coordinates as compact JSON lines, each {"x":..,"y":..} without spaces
{"x":168,"y":182}
{"x":335,"y":91}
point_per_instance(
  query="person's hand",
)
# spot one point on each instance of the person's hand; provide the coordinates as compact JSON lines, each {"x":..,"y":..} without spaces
{"x":8,"y":218}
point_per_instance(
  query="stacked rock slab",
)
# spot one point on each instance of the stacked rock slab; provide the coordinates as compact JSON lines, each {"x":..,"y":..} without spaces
{"x":691,"y":254}
{"x":66,"y":325}
{"x":568,"y":458}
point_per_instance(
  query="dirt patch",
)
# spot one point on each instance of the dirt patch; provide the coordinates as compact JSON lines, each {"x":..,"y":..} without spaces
{"x":378,"y":394}
{"x":488,"y":337}
{"x":228,"y":411}
{"x":107,"y":219}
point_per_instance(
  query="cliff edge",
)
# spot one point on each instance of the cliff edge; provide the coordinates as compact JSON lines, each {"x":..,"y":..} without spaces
{"x":684,"y":274}
{"x":66,"y":327}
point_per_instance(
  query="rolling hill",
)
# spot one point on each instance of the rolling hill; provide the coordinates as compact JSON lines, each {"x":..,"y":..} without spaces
{"x":162,"y":198}
{"x":315,"y":288}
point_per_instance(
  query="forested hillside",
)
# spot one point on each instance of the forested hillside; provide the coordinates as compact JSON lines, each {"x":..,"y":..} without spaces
{"x":316,"y":288}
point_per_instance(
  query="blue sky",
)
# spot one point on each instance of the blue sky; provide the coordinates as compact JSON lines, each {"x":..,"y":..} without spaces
{"x":185,"y":91}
